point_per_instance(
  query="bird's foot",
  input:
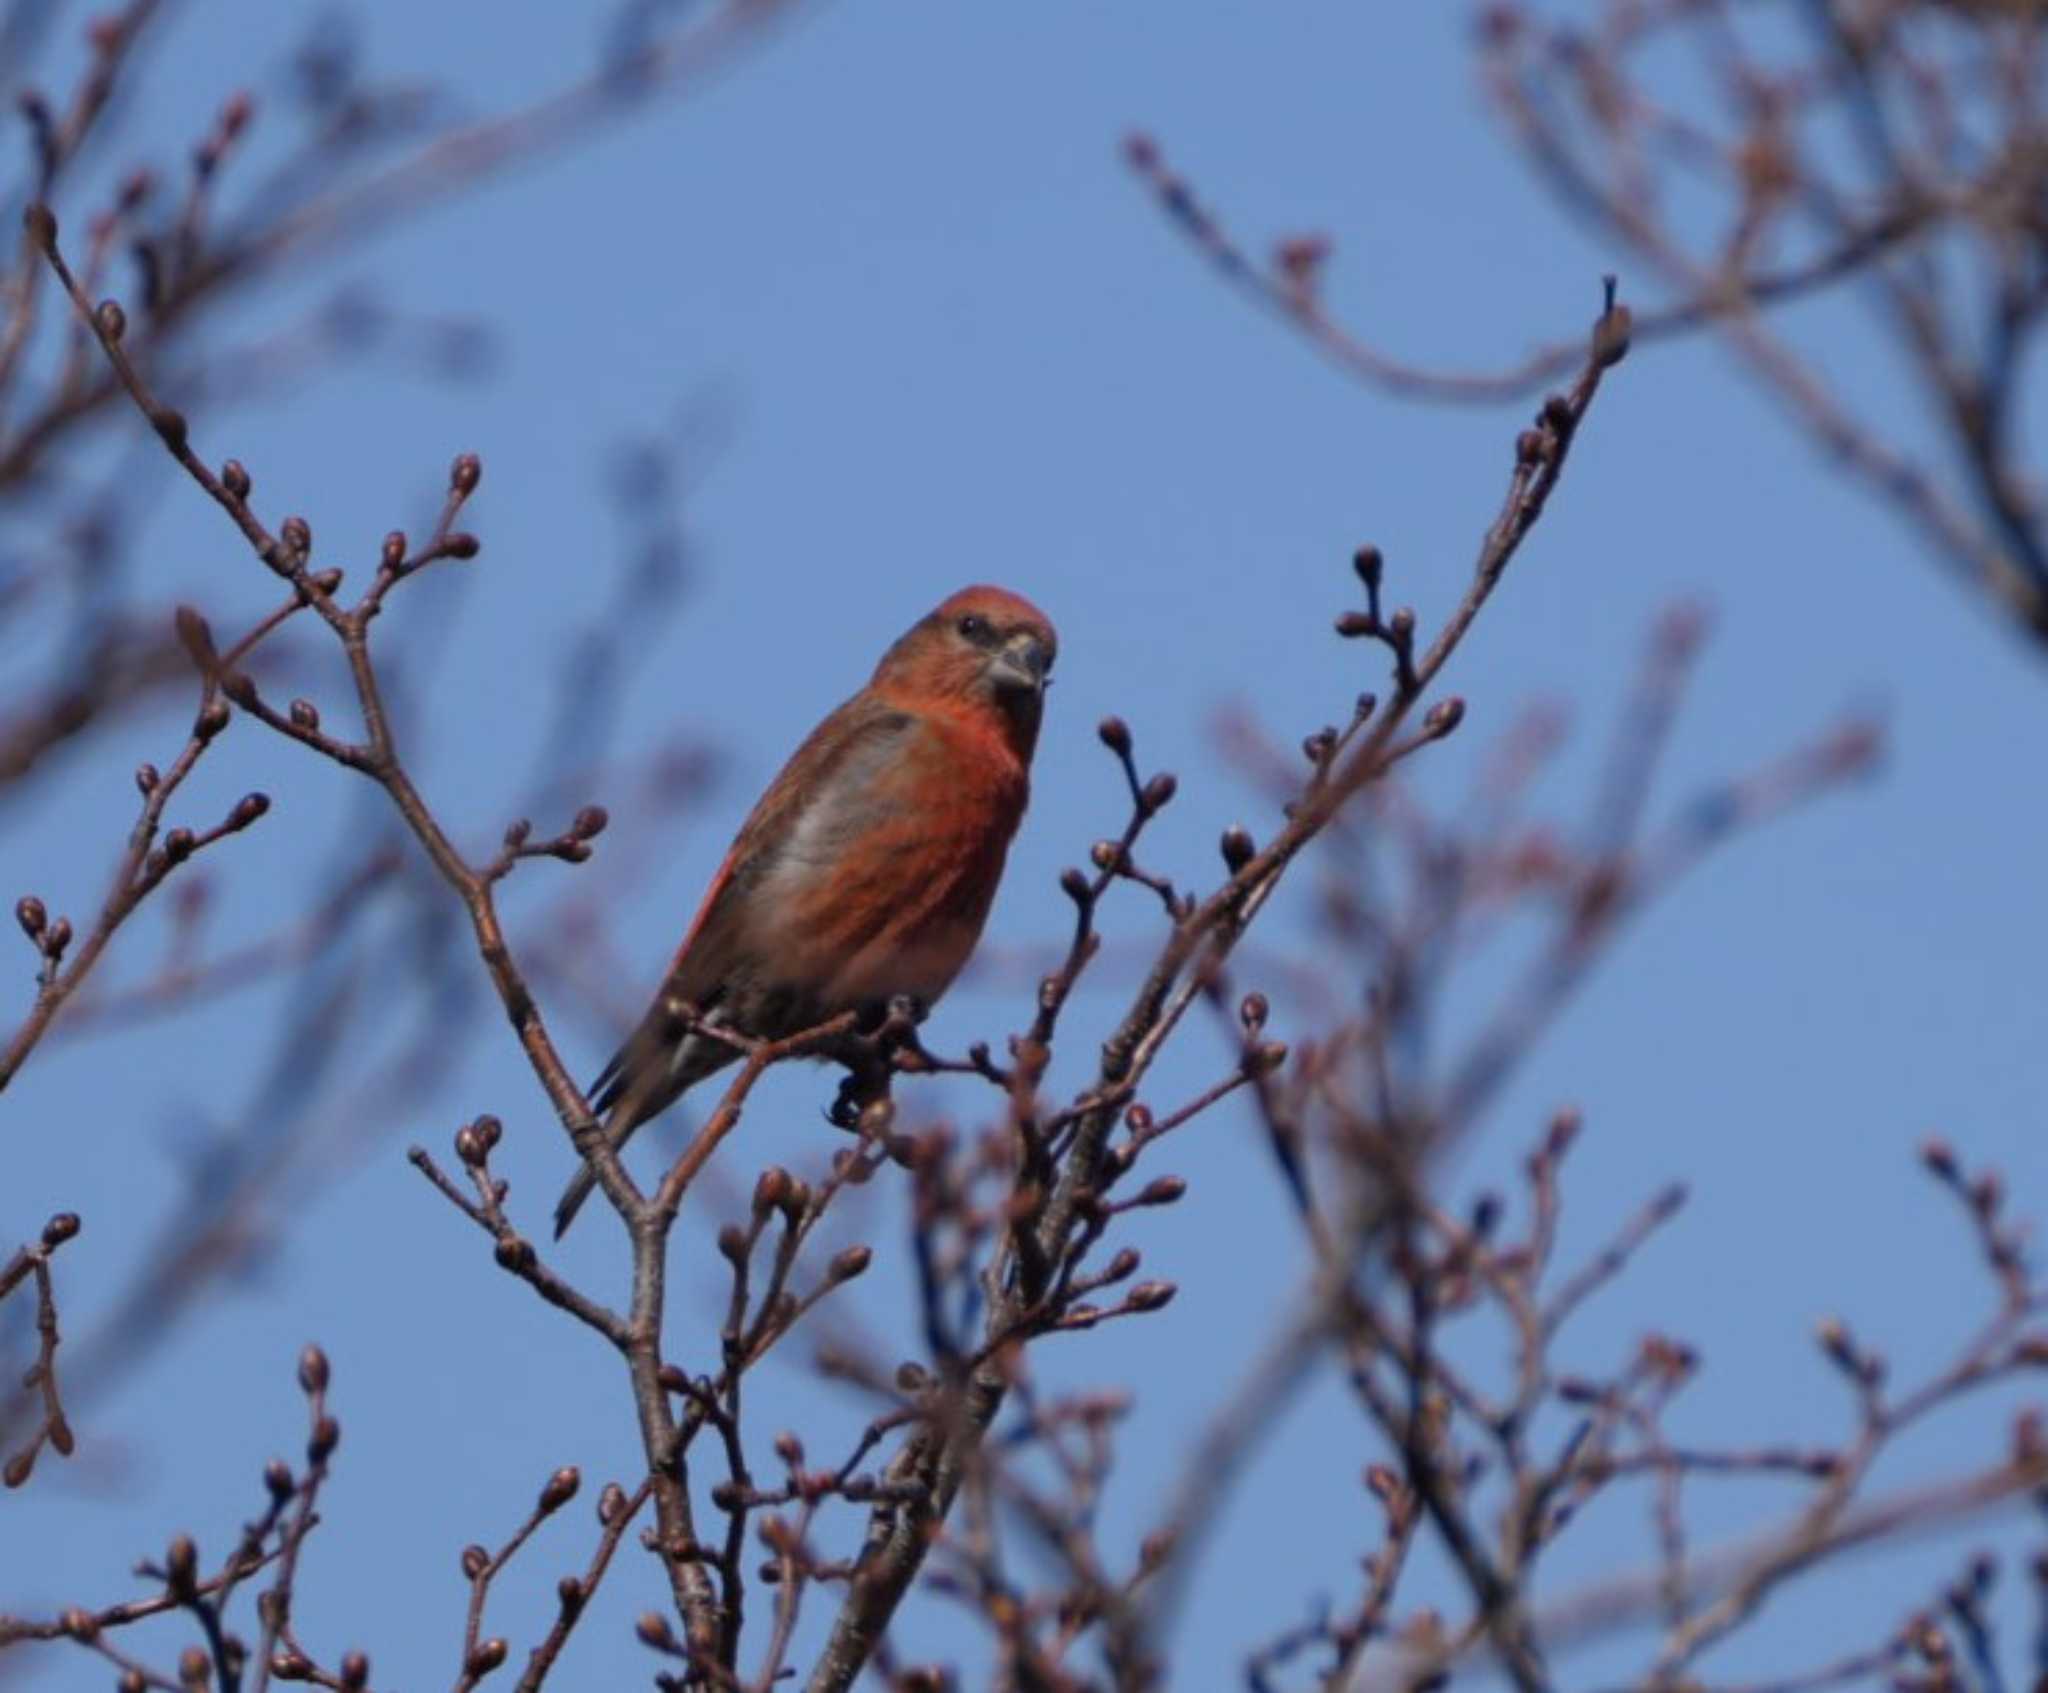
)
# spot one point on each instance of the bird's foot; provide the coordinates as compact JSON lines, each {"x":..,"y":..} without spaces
{"x":862,"y":1087}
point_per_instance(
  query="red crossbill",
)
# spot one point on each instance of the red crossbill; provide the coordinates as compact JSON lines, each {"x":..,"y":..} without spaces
{"x":866,"y":870}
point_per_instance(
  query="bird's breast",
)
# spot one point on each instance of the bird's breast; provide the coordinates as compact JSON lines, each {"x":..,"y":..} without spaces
{"x":883,"y":889}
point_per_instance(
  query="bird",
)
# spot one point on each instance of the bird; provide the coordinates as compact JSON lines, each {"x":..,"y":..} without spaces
{"x":865,"y":872}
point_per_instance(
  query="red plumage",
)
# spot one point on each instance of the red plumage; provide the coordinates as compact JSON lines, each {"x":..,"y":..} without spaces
{"x":866,"y":870}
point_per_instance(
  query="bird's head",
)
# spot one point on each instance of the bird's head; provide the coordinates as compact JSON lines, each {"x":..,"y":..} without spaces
{"x":984,"y":647}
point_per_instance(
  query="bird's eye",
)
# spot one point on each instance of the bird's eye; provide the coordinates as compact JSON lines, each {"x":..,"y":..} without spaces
{"x":975,"y":629}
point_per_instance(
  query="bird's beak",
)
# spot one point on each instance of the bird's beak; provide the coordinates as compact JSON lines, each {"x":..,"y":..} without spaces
{"x":1022,"y":663}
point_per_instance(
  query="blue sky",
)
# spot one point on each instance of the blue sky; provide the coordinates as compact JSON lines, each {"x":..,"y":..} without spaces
{"x":896,"y":250}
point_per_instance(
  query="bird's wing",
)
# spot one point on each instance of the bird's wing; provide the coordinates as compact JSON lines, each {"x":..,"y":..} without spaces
{"x":826,"y":788}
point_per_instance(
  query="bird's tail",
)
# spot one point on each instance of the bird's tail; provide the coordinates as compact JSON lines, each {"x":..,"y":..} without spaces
{"x":643,"y":1079}
{"x":617,"y":1132}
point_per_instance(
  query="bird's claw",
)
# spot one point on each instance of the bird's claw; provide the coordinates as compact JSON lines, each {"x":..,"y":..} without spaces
{"x":844,"y":1111}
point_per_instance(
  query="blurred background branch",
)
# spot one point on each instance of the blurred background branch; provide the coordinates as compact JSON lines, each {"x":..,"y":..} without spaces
{"x":1747,"y":158}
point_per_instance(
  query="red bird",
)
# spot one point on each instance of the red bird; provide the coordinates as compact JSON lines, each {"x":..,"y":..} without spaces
{"x":867,"y":869}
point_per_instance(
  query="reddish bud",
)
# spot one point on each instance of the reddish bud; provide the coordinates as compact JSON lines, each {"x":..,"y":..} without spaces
{"x":247,"y":809}
{"x":461,"y":544}
{"x":1162,"y":1190}
{"x":850,"y":1263}
{"x":234,"y":477}
{"x":1835,"y":1341}
{"x":489,"y":1655}
{"x":297,"y":535}
{"x":111,"y":319}
{"x":181,"y":1567}
{"x":313,"y":1370}
{"x":1149,"y":1296}
{"x":1237,"y":847}
{"x":560,"y":1488}
{"x":392,"y":554}
{"x":590,"y":822}
{"x":771,"y":1189}
{"x":59,"y":1229}
{"x":1160,"y":790}
{"x":146,"y":778}
{"x":1115,"y":734}
{"x":464,"y":474}
{"x":1611,"y":336}
{"x":321,"y":1443}
{"x":305,"y":714}
{"x":31,"y":914}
